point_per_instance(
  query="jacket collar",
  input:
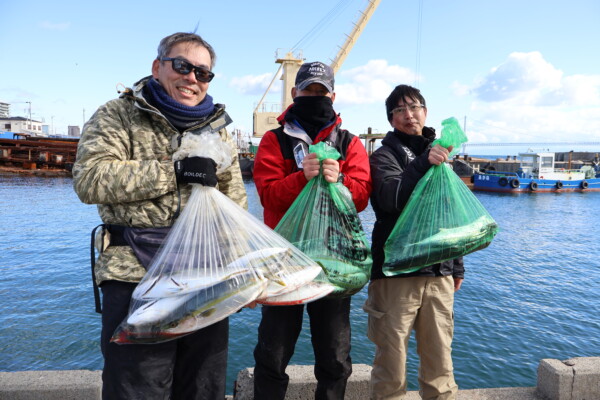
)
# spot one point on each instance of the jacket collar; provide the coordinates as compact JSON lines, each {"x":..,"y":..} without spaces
{"x":410,"y":144}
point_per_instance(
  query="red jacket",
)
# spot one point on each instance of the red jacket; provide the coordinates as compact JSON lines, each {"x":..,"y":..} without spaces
{"x":278,"y":180}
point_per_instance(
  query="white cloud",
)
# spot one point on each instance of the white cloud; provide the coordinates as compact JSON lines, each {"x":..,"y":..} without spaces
{"x":63,"y":26}
{"x":575,"y":90}
{"x":255,"y":84}
{"x":370,"y":83}
{"x":521,"y":76}
{"x":526,"y":78}
{"x":527,"y":99}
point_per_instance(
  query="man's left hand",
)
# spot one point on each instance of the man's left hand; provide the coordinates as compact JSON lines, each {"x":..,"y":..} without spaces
{"x":312,"y":167}
{"x":200,"y":170}
{"x":438,"y":154}
{"x":457,"y":283}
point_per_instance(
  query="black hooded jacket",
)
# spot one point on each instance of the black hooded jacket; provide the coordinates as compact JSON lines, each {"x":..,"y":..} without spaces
{"x":396,"y":168}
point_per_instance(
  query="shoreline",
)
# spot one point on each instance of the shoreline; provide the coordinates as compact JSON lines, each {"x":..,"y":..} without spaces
{"x":51,"y":173}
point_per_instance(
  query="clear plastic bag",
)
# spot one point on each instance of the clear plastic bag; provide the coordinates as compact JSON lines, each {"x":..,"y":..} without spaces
{"x":442,"y":219}
{"x":216,"y":259}
{"x":323,"y":223}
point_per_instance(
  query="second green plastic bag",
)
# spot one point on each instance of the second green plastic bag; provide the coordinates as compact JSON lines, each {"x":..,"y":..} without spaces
{"x":323,"y":223}
{"x":442,"y":219}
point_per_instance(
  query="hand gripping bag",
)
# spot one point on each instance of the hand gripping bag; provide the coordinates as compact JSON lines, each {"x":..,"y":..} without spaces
{"x":323,"y":223}
{"x":216,"y":259}
{"x":442,"y":219}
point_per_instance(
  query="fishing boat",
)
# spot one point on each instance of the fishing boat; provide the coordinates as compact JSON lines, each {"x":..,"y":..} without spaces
{"x":246,"y":152}
{"x":246,"y":163}
{"x":537,"y":173}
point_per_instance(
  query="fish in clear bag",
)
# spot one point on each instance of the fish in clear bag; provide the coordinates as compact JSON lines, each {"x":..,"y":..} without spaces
{"x":179,"y":284}
{"x":171,"y":306}
{"x":281,"y":281}
{"x":183,"y":282}
{"x":308,"y":292}
{"x":167,"y":318}
{"x":277,"y":266}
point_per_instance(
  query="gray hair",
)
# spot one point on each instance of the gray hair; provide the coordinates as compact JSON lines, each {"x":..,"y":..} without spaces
{"x":167,"y":43}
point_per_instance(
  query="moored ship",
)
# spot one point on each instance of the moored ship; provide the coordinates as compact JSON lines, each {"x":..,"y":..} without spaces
{"x":537,"y":173}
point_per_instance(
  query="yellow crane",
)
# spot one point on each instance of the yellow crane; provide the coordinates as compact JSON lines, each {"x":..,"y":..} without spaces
{"x":265,"y":120}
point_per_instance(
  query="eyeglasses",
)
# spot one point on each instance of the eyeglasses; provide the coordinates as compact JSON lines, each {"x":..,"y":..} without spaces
{"x":413,"y":108}
{"x":183,"y":67}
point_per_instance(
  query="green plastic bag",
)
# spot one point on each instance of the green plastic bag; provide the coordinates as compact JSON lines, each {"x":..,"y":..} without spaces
{"x":442,"y":219}
{"x":323,"y":223}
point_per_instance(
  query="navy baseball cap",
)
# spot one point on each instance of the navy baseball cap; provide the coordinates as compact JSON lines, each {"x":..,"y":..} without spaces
{"x":315,"y":72}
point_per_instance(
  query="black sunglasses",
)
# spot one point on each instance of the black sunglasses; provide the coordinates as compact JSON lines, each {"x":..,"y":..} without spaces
{"x":183,"y":67}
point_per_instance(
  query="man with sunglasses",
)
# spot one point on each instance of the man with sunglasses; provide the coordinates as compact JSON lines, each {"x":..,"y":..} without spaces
{"x":282,"y":168}
{"x":421,"y":300}
{"x":124,"y":165}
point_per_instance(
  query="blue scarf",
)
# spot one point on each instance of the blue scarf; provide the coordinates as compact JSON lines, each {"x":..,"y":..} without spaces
{"x":180,"y":115}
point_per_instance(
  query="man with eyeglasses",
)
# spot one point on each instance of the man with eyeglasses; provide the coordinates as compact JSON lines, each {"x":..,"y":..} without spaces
{"x":282,"y":168}
{"x":124,"y":165}
{"x":421,"y":300}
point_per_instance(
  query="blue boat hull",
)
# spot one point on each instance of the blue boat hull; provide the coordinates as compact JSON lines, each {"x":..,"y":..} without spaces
{"x":514,"y":184}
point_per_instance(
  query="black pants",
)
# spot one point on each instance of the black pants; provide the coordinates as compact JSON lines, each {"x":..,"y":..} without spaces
{"x":277,"y":335}
{"x":191,"y":367}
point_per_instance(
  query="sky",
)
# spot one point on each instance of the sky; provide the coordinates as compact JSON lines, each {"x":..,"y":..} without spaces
{"x":511,"y":71}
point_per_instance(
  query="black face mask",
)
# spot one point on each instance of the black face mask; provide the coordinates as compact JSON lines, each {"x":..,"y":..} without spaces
{"x":314,"y":107}
{"x":313,"y":113}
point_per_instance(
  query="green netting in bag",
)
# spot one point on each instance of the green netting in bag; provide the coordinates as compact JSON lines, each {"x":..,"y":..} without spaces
{"x":216,"y":259}
{"x":442,"y":219}
{"x":323,"y":223}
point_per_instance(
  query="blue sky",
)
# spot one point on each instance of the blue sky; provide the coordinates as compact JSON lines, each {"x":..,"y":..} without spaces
{"x":525,"y":71}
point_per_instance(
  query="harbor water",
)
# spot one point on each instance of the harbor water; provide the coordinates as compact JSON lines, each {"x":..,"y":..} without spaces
{"x":532,"y":294}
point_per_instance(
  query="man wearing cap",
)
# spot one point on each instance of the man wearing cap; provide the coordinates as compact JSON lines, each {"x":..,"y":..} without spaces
{"x":282,"y":168}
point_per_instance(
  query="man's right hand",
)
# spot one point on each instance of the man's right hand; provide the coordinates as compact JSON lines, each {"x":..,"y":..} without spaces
{"x":311,"y":166}
{"x":200,"y":170}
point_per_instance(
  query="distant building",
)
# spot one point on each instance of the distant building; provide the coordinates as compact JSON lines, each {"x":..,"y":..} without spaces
{"x":4,"y":110}
{"x":74,"y":131}
{"x":21,"y":125}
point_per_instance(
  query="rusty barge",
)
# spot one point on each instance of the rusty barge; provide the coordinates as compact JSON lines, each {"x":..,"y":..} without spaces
{"x":37,"y":155}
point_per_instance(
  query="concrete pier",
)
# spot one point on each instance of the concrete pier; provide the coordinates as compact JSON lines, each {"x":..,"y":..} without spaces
{"x":302,"y":387}
{"x":572,"y":379}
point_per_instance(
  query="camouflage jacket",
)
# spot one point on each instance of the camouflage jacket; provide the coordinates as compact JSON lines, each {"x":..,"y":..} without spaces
{"x":124,"y":165}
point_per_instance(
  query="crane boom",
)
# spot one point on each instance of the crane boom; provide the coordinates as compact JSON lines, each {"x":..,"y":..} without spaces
{"x":351,"y":39}
{"x":290,"y":63}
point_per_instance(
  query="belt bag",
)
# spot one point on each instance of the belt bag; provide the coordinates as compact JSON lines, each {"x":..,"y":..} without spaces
{"x":144,"y":242}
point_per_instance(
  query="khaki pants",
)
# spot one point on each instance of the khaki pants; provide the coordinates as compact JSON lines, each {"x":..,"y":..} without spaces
{"x":397,"y":306}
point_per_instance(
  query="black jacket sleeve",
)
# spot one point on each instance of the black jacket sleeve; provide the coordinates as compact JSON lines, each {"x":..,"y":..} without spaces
{"x":458,"y":269}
